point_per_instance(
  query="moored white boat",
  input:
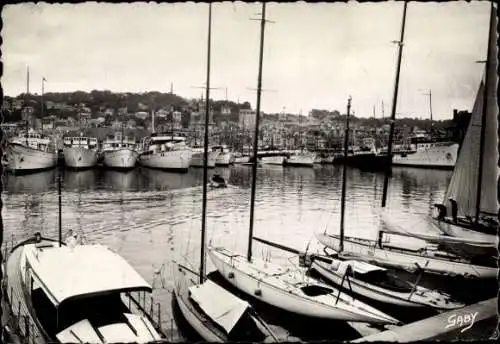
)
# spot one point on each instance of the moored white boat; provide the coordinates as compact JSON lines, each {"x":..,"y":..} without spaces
{"x":198,"y":156}
{"x":30,"y":151}
{"x":80,"y":151}
{"x":378,"y":284}
{"x":292,"y":291}
{"x":272,"y":160}
{"x":442,"y":155}
{"x":408,"y":258}
{"x":225,"y":157}
{"x":240,"y":158}
{"x":301,"y":158}
{"x":74,"y":293}
{"x":119,"y":152}
{"x":166,"y":152}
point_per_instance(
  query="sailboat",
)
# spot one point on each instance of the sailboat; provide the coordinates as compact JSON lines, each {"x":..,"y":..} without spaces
{"x":370,"y":280}
{"x":213,"y":312}
{"x":31,"y":150}
{"x":69,"y":292}
{"x":408,"y":257}
{"x":282,"y":287}
{"x":476,"y":168}
{"x":471,"y":230}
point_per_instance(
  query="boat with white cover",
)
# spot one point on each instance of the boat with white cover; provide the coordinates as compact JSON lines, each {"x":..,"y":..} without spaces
{"x":120,"y":151}
{"x":225,"y":157}
{"x":219,"y":316}
{"x":198,"y":156}
{"x":381,"y":285}
{"x":166,"y":152}
{"x":30,"y":151}
{"x":427,"y":257}
{"x":292,"y":290}
{"x":74,"y":293}
{"x":240,"y":158}
{"x":80,"y":151}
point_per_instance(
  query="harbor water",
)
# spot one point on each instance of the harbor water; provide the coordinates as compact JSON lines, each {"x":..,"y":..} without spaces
{"x":153,"y":218}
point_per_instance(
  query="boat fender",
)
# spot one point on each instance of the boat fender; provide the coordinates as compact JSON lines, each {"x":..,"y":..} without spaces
{"x":230,"y":275}
{"x":258,"y":292}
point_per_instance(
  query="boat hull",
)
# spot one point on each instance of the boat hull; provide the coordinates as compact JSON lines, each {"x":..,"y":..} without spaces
{"x":241,"y":159}
{"x":300,"y":160}
{"x":376,"y":293}
{"x":407,"y":260}
{"x":272,"y":160}
{"x":24,"y":159}
{"x":436,"y":157}
{"x":178,"y":160}
{"x":197,"y":159}
{"x":194,"y":319}
{"x":79,"y":157}
{"x":272,"y":290}
{"x":120,"y":159}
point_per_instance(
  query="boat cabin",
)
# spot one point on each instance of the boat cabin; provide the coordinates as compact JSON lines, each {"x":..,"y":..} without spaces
{"x":80,"y":141}
{"x":158,"y":142}
{"x":35,"y":140}
{"x":76,"y":294}
{"x":220,"y":148}
{"x":118,"y":141}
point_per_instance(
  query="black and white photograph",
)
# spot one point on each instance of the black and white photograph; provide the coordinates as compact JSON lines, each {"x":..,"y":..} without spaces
{"x":257,"y":172}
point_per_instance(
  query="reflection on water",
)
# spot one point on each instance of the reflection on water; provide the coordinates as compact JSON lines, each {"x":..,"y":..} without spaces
{"x":152,"y":217}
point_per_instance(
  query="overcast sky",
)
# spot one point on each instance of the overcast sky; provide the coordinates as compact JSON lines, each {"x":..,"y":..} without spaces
{"x":315,"y":55}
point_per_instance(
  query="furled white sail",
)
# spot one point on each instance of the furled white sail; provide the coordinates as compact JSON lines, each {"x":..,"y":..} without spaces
{"x":464,"y":181}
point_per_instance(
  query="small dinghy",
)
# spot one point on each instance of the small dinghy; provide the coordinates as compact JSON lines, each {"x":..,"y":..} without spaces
{"x":381,"y":285}
{"x":219,"y":316}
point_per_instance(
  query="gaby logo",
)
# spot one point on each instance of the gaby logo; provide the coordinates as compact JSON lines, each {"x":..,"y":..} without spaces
{"x":459,"y":320}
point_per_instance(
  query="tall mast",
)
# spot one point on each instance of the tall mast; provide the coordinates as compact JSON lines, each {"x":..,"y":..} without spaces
{"x":205,"y":152}
{"x":256,"y":137}
{"x":393,"y":110}
{"x":344,"y":176}
{"x":43,"y":83}
{"x":483,"y":119}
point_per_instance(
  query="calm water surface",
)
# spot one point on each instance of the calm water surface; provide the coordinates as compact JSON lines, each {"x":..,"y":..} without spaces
{"x":152,"y":218}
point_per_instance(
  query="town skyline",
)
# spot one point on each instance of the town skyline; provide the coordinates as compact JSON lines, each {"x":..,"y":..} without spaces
{"x":302,"y":73}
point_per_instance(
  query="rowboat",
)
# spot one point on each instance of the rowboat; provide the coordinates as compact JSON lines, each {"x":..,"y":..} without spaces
{"x":379,"y":284}
{"x":292,"y":290}
{"x":219,"y":316}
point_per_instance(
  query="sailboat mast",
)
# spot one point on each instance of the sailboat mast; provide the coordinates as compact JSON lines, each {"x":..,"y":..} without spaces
{"x":60,"y":209}
{"x":483,"y":120}
{"x":256,"y":137}
{"x":344,"y":176}
{"x":205,"y":152}
{"x":393,"y":110}
{"x":43,"y":81}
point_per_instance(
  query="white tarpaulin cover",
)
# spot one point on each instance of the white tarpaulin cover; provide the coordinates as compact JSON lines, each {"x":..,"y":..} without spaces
{"x":220,"y":305}
{"x":362,"y":267}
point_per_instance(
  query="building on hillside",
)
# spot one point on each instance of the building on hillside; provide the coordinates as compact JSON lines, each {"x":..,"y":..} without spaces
{"x":246,"y":118}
